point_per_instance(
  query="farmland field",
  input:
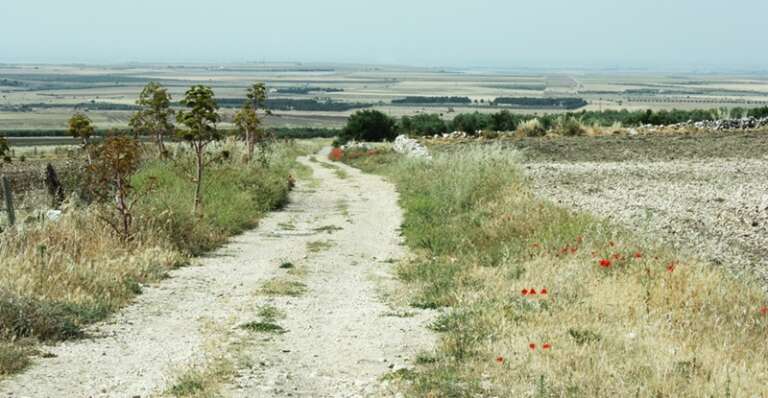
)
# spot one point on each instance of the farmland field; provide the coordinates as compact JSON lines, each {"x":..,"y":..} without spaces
{"x":705,"y":194}
{"x":44,"y":96}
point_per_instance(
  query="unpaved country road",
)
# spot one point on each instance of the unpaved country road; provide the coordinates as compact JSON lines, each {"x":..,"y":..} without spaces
{"x":340,"y":232}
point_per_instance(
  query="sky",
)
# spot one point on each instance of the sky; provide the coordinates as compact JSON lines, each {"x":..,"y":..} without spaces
{"x":691,"y":34}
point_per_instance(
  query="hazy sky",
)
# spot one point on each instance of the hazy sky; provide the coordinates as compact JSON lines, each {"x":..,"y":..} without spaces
{"x":492,"y":33}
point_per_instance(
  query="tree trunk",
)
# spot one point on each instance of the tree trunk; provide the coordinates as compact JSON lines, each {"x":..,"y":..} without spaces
{"x":249,"y":143}
{"x":197,"y":208}
{"x":160,"y":143}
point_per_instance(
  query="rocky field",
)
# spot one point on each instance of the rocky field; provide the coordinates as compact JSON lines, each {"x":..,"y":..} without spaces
{"x":707,"y":195}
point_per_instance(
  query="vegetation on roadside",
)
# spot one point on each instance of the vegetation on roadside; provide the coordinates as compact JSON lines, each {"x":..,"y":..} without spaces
{"x":540,"y":301}
{"x":126,"y":220}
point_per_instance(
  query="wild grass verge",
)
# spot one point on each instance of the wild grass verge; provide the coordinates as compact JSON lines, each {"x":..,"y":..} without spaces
{"x":544,"y":302}
{"x":56,"y":277}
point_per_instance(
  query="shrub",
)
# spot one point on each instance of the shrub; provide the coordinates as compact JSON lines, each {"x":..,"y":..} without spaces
{"x":531,"y":128}
{"x":471,"y":123}
{"x":424,"y":124}
{"x":369,"y":125}
{"x":569,"y":126}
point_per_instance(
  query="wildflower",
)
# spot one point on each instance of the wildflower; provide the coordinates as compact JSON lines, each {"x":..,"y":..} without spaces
{"x":764,"y":310}
{"x":638,"y":255}
{"x":544,"y":291}
{"x":579,"y":239}
{"x":535,"y":246}
{"x":336,"y":154}
{"x":524,"y":292}
{"x":611,"y":243}
{"x":671,"y":267}
{"x":532,"y":346}
{"x":500,"y":360}
{"x":605,"y":263}
{"x":573,"y":250}
{"x":546,"y":346}
{"x":616,"y":256}
{"x":532,"y":292}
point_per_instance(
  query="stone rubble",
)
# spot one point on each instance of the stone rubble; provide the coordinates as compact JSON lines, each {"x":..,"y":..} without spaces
{"x":410,"y":147}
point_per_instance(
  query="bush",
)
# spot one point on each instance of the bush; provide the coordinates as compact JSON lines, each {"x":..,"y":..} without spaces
{"x":531,"y":128}
{"x":471,"y":123}
{"x":424,"y":124}
{"x":369,"y":125}
{"x":569,"y":127}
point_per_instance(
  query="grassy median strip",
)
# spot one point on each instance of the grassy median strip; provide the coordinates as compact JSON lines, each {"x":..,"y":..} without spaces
{"x":541,"y":301}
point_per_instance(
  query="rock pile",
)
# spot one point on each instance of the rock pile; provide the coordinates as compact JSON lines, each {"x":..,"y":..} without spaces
{"x":410,"y":147}
{"x":725,"y":124}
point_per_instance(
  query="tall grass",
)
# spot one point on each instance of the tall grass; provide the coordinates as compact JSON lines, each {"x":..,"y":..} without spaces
{"x":651,"y":324}
{"x":56,"y":277}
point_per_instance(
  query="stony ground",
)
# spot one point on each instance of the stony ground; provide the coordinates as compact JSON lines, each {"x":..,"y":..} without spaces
{"x":698,"y":196}
{"x":322,"y":267}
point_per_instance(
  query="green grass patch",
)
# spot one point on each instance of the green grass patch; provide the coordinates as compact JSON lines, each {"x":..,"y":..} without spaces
{"x":263,"y":327}
{"x":283,"y":287}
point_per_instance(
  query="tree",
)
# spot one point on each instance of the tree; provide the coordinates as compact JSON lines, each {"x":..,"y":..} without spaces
{"x":248,"y":122}
{"x":80,"y":128}
{"x":200,"y":120}
{"x":116,"y":160}
{"x":369,"y":125}
{"x":423,"y":124}
{"x":155,"y":114}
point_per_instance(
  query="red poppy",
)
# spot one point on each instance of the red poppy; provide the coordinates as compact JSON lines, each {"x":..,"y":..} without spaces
{"x":573,"y":250}
{"x":336,"y":154}
{"x":532,"y":292}
{"x":638,"y":255}
{"x":605,"y":263}
{"x":764,"y":310}
{"x":500,"y":360}
{"x":546,"y":346}
{"x":671,"y":267}
{"x":532,"y":346}
{"x":544,"y":291}
{"x":524,"y":292}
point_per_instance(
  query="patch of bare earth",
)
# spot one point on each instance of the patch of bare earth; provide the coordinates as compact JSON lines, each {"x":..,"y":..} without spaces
{"x":336,"y":333}
{"x":716,"y":209}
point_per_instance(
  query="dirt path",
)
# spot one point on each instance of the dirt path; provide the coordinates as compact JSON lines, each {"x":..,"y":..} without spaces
{"x":340,"y":233}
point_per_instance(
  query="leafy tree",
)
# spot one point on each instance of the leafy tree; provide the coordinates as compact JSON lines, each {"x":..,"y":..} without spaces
{"x":504,"y":121}
{"x":248,"y":122}
{"x":200,"y":120}
{"x":80,"y":128}
{"x":154,"y":118}
{"x":423,"y":124}
{"x":116,"y":160}
{"x":471,"y":123}
{"x":369,"y":125}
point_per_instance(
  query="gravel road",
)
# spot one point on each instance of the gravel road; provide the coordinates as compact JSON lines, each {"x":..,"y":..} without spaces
{"x":342,"y":334}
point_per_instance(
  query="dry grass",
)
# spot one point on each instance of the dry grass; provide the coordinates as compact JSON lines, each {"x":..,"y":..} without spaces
{"x":636,"y":328}
{"x":57,"y":276}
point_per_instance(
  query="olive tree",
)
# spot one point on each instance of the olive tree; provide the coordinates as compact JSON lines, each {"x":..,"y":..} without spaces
{"x":154,"y":117}
{"x":200,"y":120}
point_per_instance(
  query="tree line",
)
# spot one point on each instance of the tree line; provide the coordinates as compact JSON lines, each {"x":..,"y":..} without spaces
{"x":372,"y":125}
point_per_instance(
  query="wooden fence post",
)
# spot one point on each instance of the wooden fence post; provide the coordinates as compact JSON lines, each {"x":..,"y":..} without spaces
{"x":8,"y":195}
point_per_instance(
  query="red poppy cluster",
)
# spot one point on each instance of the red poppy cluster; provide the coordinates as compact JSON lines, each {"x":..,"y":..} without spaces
{"x":532,"y":292}
{"x":605,"y":263}
{"x":336,"y":154}
{"x":545,"y":346}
